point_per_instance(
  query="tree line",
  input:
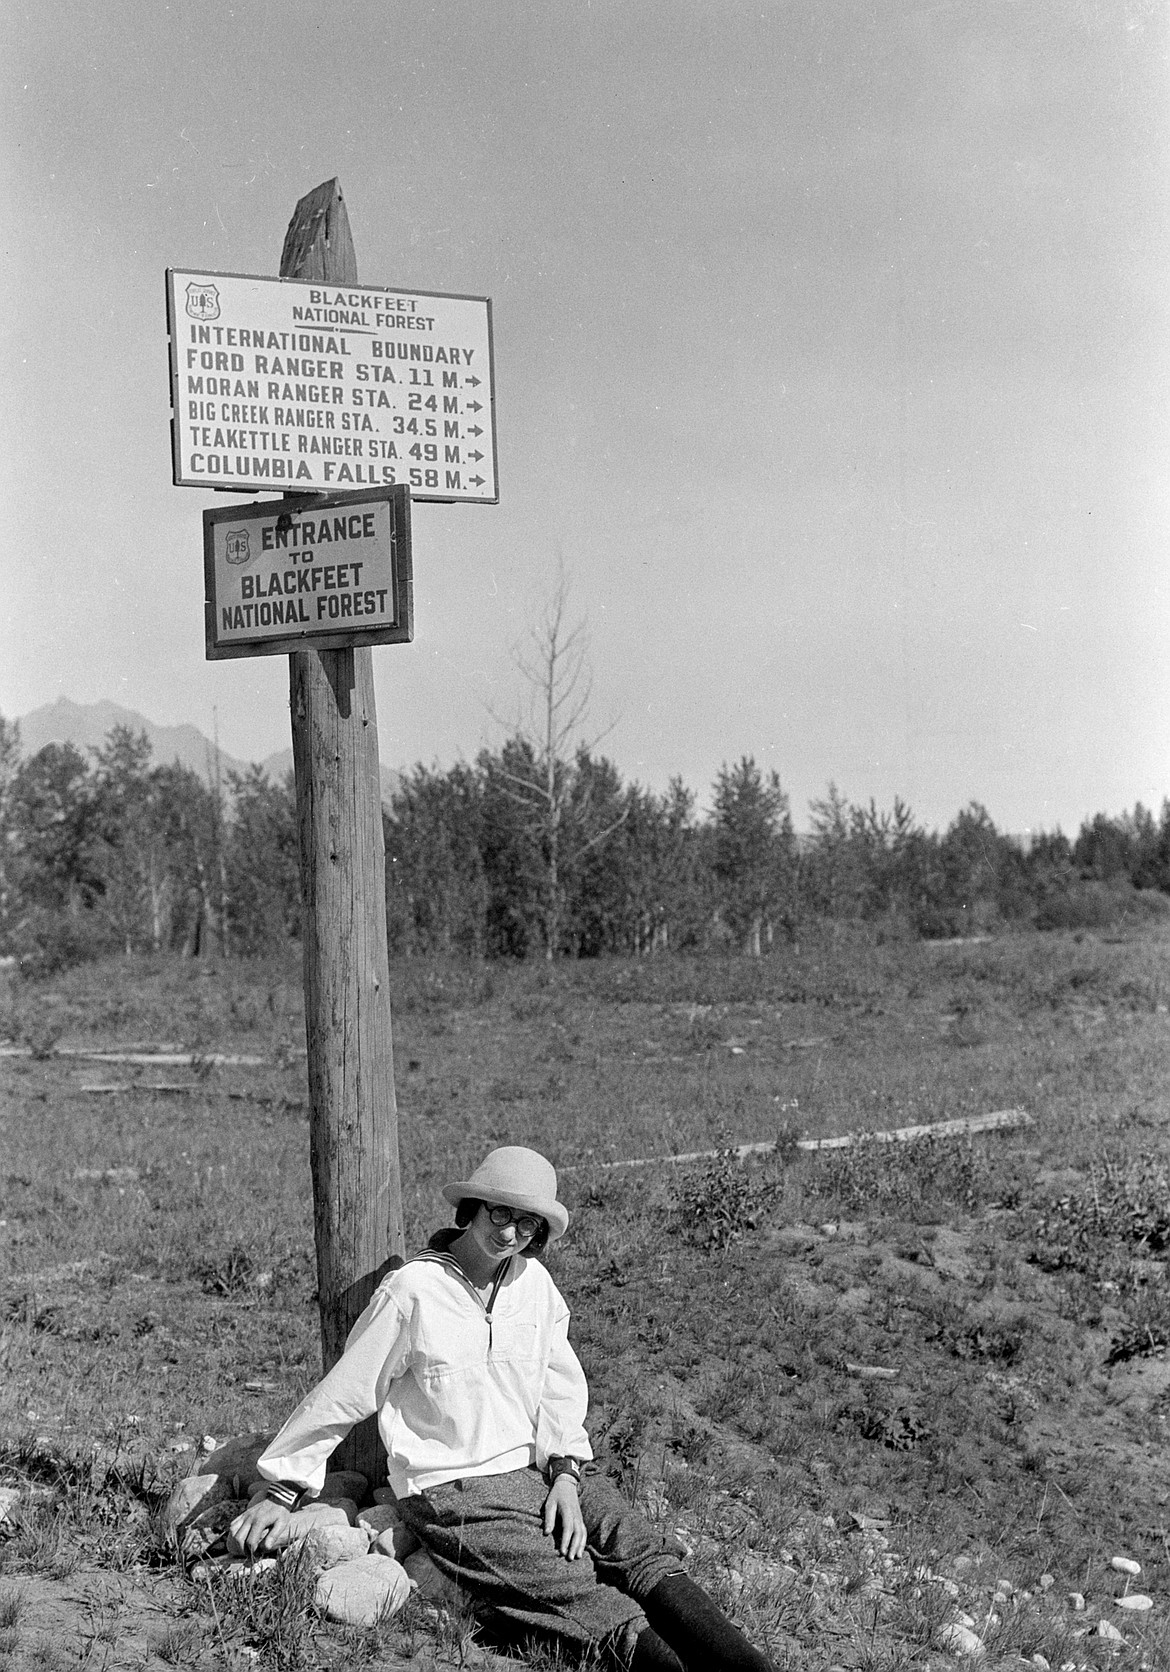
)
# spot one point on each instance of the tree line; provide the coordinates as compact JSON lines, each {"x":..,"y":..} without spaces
{"x":106,"y":851}
{"x":523,"y":854}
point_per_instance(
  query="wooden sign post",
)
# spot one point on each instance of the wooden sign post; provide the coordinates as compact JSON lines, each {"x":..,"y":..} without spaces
{"x":369,"y":398}
{"x":357,"y":1187}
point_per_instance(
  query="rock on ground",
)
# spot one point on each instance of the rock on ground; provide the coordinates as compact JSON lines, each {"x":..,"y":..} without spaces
{"x":217,"y":1475}
{"x":312,"y":1517}
{"x":190,"y":1498}
{"x":236,"y":1457}
{"x":327,"y":1546}
{"x":961,"y":1640}
{"x":389,"y":1534}
{"x":363,"y":1591}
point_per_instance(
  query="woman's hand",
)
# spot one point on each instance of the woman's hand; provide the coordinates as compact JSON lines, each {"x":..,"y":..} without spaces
{"x":562,"y":1515}
{"x":262,"y":1529}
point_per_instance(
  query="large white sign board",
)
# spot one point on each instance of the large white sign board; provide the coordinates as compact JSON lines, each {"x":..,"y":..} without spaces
{"x":310,"y":388}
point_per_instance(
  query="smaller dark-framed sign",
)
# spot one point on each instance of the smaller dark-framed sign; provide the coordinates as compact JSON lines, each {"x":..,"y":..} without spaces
{"x":319,"y":573}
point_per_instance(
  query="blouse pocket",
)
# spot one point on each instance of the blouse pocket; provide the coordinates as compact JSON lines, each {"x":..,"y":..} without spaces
{"x":514,"y":1340}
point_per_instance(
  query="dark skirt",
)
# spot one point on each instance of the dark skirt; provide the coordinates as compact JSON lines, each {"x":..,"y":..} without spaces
{"x":486,"y":1534}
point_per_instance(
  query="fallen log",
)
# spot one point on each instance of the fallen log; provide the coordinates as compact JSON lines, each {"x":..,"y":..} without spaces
{"x":157,"y":1059}
{"x":997,"y":1120}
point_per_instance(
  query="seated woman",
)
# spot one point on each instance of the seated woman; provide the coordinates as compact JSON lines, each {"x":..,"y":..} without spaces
{"x":464,"y":1354}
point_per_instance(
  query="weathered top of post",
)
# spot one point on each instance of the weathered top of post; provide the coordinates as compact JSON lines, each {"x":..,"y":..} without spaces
{"x":318,"y":243}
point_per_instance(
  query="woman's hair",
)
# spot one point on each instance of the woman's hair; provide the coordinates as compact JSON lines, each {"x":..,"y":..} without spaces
{"x":469,"y":1206}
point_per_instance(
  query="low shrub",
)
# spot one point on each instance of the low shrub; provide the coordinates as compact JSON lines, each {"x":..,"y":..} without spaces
{"x":1122,"y":1211}
{"x":910,"y":1180}
{"x":719,"y":1202}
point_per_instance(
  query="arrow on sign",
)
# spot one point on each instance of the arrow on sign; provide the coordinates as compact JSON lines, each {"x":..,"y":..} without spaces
{"x":475,"y":456}
{"x":473,"y":431}
{"x":475,"y":406}
{"x":474,"y":381}
{"x":477,"y":481}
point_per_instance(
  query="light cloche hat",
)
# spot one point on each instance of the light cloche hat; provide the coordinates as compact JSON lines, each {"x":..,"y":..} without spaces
{"x":519,"y":1178}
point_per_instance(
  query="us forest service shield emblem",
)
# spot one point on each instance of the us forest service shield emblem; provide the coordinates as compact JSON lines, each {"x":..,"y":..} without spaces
{"x":235,"y":545}
{"x":203,"y":301}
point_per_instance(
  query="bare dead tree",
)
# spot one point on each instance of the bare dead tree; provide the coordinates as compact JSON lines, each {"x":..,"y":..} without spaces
{"x":539,"y":777}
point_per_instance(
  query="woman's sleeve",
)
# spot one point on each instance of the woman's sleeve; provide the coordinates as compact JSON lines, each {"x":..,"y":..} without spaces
{"x":377,"y":1351}
{"x":564,"y":1400}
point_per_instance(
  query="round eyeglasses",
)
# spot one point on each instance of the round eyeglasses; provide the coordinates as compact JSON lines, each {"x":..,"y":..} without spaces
{"x":526,"y":1225}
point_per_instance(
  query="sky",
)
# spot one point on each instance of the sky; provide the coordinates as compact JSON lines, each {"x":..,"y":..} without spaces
{"x":831,"y":352}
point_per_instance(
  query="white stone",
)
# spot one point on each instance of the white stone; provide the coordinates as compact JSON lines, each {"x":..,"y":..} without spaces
{"x":364,"y":1591}
{"x":312,"y":1518}
{"x":961,"y":1641}
{"x":1123,"y":1564}
{"x":1076,"y":1602}
{"x":326,"y":1546}
{"x":1046,"y":1581}
{"x":9,"y":1498}
{"x":1109,"y":1632}
{"x":1136,"y":1604}
{"x":248,"y":1567}
{"x":1039,"y":1660}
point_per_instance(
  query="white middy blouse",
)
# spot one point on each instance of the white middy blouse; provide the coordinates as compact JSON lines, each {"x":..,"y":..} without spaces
{"x":461,"y":1387}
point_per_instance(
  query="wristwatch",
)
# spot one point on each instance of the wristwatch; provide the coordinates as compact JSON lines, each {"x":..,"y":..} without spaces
{"x":558,"y":1466}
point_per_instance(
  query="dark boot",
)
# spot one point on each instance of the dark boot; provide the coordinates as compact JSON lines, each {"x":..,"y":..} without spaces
{"x":700,"y":1634}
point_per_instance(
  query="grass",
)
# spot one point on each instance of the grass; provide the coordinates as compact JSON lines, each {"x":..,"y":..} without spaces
{"x":12,"y":1606}
{"x":156,"y":1258}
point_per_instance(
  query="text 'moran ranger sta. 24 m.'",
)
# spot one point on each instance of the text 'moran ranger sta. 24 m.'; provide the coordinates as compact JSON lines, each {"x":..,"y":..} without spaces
{"x":307,"y":388}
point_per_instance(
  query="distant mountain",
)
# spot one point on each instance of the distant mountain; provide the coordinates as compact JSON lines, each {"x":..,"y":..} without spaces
{"x":87,"y":725}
